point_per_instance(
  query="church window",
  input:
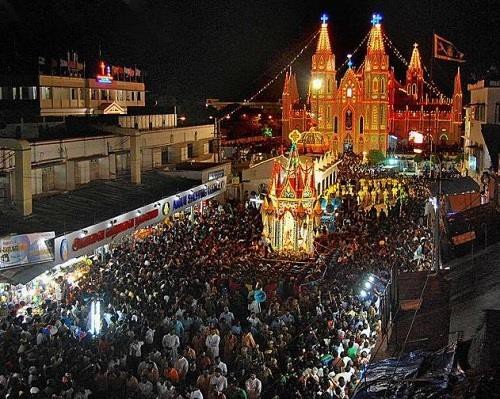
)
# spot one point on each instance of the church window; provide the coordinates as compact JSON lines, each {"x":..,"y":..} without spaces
{"x":382,"y":86}
{"x":328,"y":110}
{"x":414,"y":89}
{"x":329,"y":86}
{"x":349,"y":92}
{"x":375,"y":85}
{"x":408,"y":91}
{"x":335,"y":125}
{"x":375,"y":117}
{"x":348,"y":119}
{"x":361,"y":125}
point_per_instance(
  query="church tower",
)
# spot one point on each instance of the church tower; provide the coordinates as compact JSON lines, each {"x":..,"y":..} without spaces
{"x":415,"y":76}
{"x":375,"y":79}
{"x":323,"y":87}
{"x":457,"y":107}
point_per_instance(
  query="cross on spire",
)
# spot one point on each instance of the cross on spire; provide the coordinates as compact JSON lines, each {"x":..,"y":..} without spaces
{"x":349,"y":62}
{"x":324,"y":18}
{"x":376,"y":18}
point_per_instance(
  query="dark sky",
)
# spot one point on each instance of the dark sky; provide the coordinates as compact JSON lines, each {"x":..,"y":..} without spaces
{"x":228,"y":49}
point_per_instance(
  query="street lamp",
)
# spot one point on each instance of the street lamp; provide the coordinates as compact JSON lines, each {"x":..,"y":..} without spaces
{"x":316,"y":85}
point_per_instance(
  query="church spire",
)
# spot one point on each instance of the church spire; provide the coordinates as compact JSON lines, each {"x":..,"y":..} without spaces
{"x":324,"y":39}
{"x":457,"y":85}
{"x":415,"y":62}
{"x":375,"y":40}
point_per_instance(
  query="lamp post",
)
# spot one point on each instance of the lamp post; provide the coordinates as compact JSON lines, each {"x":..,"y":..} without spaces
{"x":317,"y":84}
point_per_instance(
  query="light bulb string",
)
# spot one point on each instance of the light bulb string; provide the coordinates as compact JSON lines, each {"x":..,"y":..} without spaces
{"x":285,"y":68}
{"x":430,"y":84}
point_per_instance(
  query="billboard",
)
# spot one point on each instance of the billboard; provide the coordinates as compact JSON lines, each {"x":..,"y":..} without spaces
{"x":25,"y":249}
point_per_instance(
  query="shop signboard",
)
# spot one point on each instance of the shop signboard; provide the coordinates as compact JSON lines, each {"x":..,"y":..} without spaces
{"x":85,"y":241}
{"x":25,"y":249}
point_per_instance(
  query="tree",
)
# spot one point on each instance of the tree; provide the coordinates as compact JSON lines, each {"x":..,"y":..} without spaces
{"x":418,"y":158}
{"x":375,"y":157}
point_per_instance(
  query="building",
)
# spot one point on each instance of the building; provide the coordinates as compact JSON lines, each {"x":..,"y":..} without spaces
{"x":291,"y":210}
{"x":367,"y":105}
{"x":482,"y":126}
{"x":61,"y":92}
{"x":63,"y":131}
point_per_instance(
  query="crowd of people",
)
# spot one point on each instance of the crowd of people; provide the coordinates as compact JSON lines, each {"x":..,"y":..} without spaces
{"x":194,"y":311}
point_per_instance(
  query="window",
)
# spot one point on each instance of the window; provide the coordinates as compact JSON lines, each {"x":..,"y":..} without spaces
{"x":103,"y":95}
{"x":14,"y":93}
{"x":133,"y":96}
{"x":73,"y":94}
{"x":329,"y":85}
{"x":375,"y":85}
{"x":497,"y":112}
{"x":138,"y":96}
{"x":361,"y":125}
{"x":94,"y":94}
{"x":1,"y":93}
{"x":164,"y":156}
{"x":382,"y":85}
{"x":190,"y":150}
{"x":335,"y":125}
{"x":414,"y":89}
{"x":349,"y":92}
{"x":46,"y":93}
{"x":33,"y":93}
{"x":348,"y":119}
{"x":479,"y":112}
{"x":128,"y":95}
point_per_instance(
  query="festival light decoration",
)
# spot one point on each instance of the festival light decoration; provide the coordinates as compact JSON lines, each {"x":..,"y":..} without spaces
{"x":95,"y":317}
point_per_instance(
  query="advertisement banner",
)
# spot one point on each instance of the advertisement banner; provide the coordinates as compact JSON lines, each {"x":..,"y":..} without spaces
{"x":25,"y":249}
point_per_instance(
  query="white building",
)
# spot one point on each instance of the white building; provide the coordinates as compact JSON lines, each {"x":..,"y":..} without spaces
{"x":482,"y":127}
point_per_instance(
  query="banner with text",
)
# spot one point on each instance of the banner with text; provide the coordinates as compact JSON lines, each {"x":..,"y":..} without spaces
{"x":25,"y":249}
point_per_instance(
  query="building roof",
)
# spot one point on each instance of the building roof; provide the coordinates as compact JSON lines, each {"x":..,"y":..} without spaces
{"x":198,"y":166}
{"x":375,"y":40}
{"x":455,"y":186}
{"x":95,"y":202}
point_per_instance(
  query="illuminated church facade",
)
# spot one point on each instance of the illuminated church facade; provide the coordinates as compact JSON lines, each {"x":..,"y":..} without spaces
{"x":368,"y":104}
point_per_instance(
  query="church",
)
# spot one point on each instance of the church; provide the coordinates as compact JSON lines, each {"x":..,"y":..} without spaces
{"x":368,"y":107}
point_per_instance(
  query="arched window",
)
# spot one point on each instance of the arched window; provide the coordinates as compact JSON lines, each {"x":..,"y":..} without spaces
{"x":348,"y":119}
{"x":408,"y":89}
{"x":195,"y":136}
{"x":335,"y":125}
{"x":329,"y":86}
{"x":414,"y":89}
{"x":375,"y":85}
{"x":382,"y":86}
{"x":349,"y":92}
{"x":361,"y":125}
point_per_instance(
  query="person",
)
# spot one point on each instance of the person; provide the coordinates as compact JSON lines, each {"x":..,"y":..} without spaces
{"x":195,"y":393}
{"x":253,"y":386}
{"x":212,"y":343}
{"x":220,"y":365}
{"x":182,"y":366}
{"x":170,"y":343}
{"x":218,"y":382}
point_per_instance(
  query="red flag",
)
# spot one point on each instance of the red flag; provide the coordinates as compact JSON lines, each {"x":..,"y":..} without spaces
{"x":446,"y":50}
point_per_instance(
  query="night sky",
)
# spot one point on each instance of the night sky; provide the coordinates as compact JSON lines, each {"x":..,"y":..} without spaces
{"x":227,"y":49}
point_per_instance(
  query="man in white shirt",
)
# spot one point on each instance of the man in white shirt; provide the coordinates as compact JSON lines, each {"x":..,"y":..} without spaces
{"x":218,"y":381}
{"x":170,"y":343}
{"x":254,"y":387}
{"x":195,"y":394}
{"x":182,"y":366}
{"x":227,"y":317}
{"x":221,"y":365}
{"x":212,"y":342}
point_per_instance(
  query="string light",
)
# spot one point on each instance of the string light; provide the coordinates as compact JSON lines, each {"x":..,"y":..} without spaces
{"x":354,"y":52}
{"x":269,"y":83}
{"x":430,"y":85}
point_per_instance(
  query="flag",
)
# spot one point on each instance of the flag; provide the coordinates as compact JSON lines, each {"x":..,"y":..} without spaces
{"x":137,"y":72}
{"x":79,"y":66}
{"x":41,"y":60}
{"x":446,"y":50}
{"x":126,"y":71}
{"x":63,"y":63}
